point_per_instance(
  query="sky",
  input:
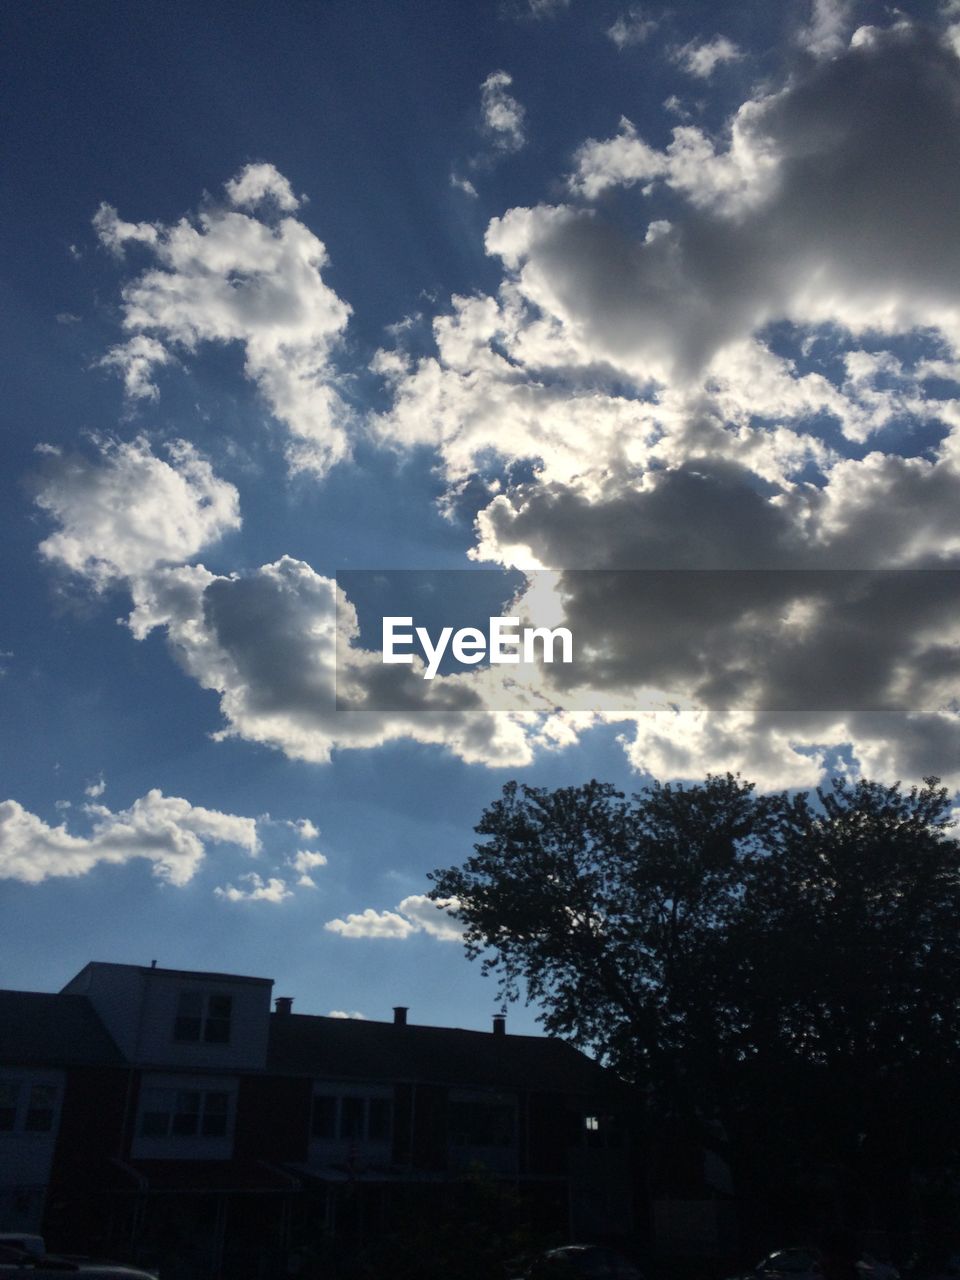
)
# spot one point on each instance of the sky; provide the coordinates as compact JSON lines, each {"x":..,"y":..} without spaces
{"x":544,"y":292}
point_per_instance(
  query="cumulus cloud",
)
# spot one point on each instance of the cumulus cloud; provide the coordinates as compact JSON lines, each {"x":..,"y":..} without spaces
{"x":126,"y":511}
{"x":432,"y":916}
{"x":239,"y":277}
{"x":372,"y":924}
{"x":415,"y":914}
{"x":259,"y":890}
{"x":96,"y":789}
{"x":700,"y":58}
{"x":827,"y":32}
{"x":307,"y":859}
{"x":167,"y":831}
{"x":342,"y":1013}
{"x":626,"y":400}
{"x":703,"y":376}
{"x":304,"y":862}
{"x":259,"y":182}
{"x":268,"y":642}
{"x":632,"y":28}
{"x":136,"y":360}
{"x":503,"y":116}
{"x":291,"y":675}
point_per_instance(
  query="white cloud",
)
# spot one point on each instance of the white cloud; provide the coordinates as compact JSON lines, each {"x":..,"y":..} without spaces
{"x":628,"y":363}
{"x":432,"y":917}
{"x":165,"y":830}
{"x":127,"y":511}
{"x":415,"y":914}
{"x":827,"y":32}
{"x":260,"y":890}
{"x":632,"y":28}
{"x":96,"y":789}
{"x":503,"y":116}
{"x":235,"y":277}
{"x":342,"y":1013}
{"x":372,"y":924}
{"x":305,"y":861}
{"x":114,"y":234}
{"x":259,"y":182}
{"x":136,"y":359}
{"x":700,"y":58}
{"x":269,"y":644}
{"x":464,"y":185}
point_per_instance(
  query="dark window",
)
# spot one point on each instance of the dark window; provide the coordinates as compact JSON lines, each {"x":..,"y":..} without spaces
{"x":155,"y":1124}
{"x":155,"y":1113}
{"x":8,"y":1106}
{"x":186,"y":1116}
{"x":378,"y":1120}
{"x":185,"y":1113}
{"x":480,"y":1123}
{"x":215,"y":1111}
{"x":351,"y":1117}
{"x":324,"y":1116}
{"x":43,"y":1098}
{"x":189,"y":1016}
{"x":216,"y":1029}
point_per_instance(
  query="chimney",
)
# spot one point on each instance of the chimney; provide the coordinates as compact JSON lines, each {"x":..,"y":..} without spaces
{"x":400,"y":1015}
{"x":499,"y":1024}
{"x":283,"y":1004}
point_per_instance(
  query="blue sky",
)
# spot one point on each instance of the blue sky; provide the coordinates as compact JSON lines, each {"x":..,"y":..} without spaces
{"x":294,"y":289}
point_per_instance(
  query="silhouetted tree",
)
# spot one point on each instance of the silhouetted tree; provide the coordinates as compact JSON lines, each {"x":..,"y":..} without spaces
{"x":782,"y":973}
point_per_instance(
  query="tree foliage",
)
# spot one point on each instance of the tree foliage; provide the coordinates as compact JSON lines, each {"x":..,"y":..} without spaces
{"x":751,"y":961}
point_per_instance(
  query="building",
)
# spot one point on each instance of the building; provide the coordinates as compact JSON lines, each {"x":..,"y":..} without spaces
{"x":175,"y":1117}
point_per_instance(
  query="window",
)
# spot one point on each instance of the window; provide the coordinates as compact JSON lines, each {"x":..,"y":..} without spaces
{"x":189,"y":1021}
{"x":40,"y":1108}
{"x":203,"y":1017}
{"x":9,"y":1093}
{"x":324,"y":1117}
{"x":378,"y":1119}
{"x":27,"y":1107}
{"x":591,"y":1129}
{"x":185,"y":1113}
{"x":216,"y":1029}
{"x":216,"y":1111}
{"x":352,"y":1118}
{"x":481,"y":1121}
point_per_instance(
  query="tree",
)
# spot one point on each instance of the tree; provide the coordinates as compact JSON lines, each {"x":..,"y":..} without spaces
{"x":782,"y":972}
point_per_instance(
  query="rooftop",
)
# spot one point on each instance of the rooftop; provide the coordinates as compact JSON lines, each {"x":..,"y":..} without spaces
{"x":348,"y":1048}
{"x":193,"y":975}
{"x":37,"y":1027}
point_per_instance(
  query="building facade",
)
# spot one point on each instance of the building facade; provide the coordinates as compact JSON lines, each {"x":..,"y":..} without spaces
{"x":176,"y":1119}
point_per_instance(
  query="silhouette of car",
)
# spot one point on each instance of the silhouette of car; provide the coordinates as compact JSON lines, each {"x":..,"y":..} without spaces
{"x":790,"y":1264}
{"x":582,"y":1262}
